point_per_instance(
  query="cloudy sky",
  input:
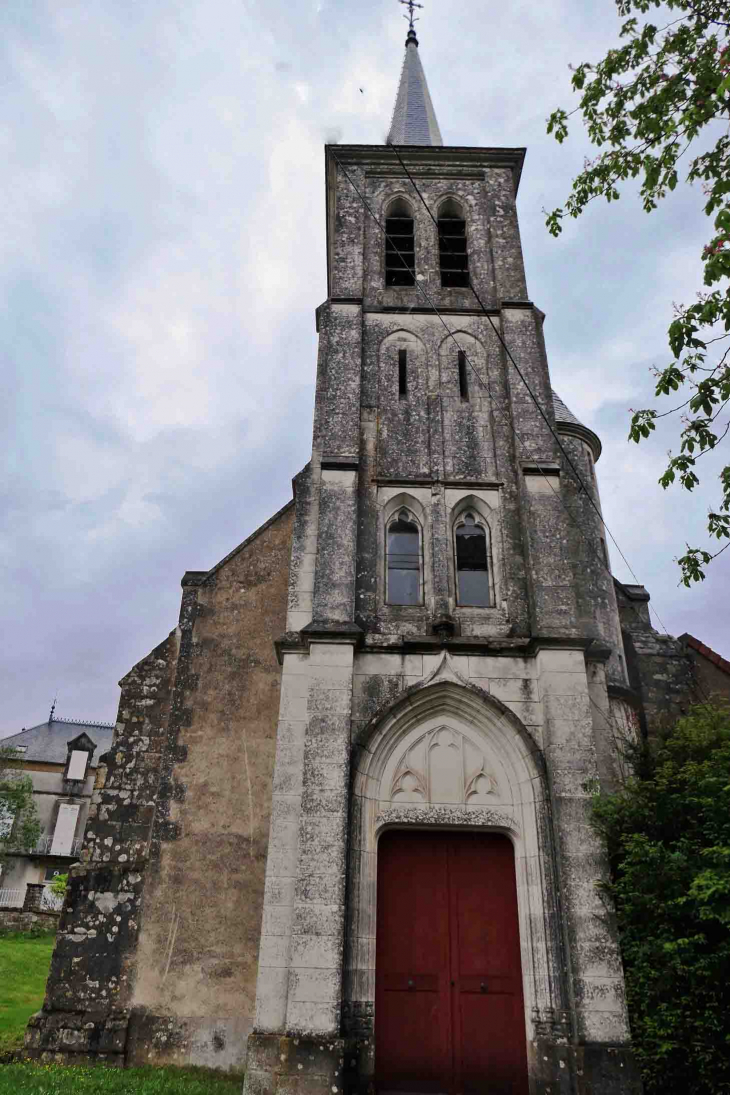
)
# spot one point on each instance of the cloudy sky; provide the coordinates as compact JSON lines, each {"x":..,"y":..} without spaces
{"x":162,"y":257}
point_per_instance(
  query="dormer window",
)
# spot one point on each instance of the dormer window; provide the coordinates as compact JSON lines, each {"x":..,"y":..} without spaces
{"x":400,"y":251}
{"x":78,"y":758}
{"x":472,"y":563}
{"x":452,"y":246}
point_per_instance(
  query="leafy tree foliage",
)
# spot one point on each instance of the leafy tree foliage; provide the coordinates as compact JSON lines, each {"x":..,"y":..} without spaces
{"x":59,"y":885}
{"x":662,"y":91}
{"x":668,"y":835}
{"x":19,"y":825}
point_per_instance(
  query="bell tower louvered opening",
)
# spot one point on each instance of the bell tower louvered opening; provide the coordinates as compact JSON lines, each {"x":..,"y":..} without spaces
{"x":453,"y":255}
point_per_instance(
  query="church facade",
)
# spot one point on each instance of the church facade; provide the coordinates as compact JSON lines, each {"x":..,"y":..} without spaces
{"x":344,"y":836}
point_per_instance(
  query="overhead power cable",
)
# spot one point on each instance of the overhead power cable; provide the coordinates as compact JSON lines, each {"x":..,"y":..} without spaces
{"x":532,"y":395}
{"x":602,"y":562}
{"x":522,"y":378}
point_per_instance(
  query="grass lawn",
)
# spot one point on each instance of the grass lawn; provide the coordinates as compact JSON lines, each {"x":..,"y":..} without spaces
{"x":24,"y":963}
{"x":28,"y":1079}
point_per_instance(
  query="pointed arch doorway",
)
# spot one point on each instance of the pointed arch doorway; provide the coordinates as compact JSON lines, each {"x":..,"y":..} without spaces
{"x":449,"y":1011}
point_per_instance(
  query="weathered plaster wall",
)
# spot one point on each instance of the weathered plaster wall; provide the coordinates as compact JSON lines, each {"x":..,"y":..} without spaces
{"x":199,"y":940}
{"x":158,"y":942}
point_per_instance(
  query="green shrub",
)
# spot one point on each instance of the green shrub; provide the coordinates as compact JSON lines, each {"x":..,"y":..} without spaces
{"x":59,"y":884}
{"x":668,"y":835}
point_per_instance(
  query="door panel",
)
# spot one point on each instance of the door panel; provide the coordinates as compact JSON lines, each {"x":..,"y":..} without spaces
{"x":489,"y":1019}
{"x":412,"y":963}
{"x":448,"y":1003}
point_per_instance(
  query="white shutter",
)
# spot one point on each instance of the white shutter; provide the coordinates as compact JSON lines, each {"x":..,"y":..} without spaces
{"x":77,"y":767}
{"x":63,"y":836}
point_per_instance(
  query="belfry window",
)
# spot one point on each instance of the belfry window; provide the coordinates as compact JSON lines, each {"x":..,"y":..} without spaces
{"x":472,"y":565}
{"x":452,"y":246}
{"x":403,"y":560}
{"x":400,"y":251}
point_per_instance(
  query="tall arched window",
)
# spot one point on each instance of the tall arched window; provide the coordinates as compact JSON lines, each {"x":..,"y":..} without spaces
{"x":403,"y":560}
{"x":400,"y":251}
{"x":472,"y":563}
{"x":452,"y":246}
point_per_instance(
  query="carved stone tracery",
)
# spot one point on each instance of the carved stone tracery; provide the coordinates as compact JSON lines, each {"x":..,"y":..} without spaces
{"x":443,"y":766}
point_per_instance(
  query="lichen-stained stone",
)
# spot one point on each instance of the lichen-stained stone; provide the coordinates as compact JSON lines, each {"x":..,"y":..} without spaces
{"x":178,"y":834}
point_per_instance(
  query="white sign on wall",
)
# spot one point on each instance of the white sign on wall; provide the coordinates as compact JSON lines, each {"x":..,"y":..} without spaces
{"x":63,"y":835}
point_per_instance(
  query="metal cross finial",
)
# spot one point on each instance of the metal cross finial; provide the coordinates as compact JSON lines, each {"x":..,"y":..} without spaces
{"x":411,"y":4}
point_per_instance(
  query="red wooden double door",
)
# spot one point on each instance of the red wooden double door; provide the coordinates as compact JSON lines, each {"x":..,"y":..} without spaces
{"x":449,"y":1013}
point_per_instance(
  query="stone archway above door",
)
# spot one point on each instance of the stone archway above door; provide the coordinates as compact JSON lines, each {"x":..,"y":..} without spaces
{"x":446,"y":755}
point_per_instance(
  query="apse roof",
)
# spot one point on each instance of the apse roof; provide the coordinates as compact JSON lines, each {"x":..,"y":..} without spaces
{"x":414,"y":119}
{"x":564,"y":417}
{"x":49,"y":740}
{"x":562,"y":413}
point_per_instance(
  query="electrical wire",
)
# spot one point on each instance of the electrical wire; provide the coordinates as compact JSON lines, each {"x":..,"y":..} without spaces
{"x":602,"y":562}
{"x":607,"y":715}
{"x":522,"y":378}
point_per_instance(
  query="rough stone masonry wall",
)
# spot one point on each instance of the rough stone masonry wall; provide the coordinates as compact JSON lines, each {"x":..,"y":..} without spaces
{"x":659,"y":669}
{"x":158,"y":942}
{"x":87,"y":1005}
{"x":194,"y":993}
{"x":17,"y":920}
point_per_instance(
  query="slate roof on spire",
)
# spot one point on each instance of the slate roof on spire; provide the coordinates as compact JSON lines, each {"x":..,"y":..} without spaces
{"x":414,"y":119}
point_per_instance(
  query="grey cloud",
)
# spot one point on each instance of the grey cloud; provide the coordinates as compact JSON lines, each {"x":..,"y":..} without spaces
{"x":163,"y":257}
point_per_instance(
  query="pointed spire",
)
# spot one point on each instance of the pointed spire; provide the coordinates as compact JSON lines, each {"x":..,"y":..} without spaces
{"x":414,"y":119}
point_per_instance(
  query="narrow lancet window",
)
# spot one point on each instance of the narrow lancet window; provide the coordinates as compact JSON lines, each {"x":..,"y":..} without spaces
{"x":402,"y":374}
{"x":472,"y":567}
{"x":404,"y":560}
{"x":452,"y":246}
{"x":400,"y":251}
{"x":463,"y":380}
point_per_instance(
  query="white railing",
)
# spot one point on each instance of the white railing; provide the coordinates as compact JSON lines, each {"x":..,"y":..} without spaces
{"x":45,"y":844}
{"x":50,"y":901}
{"x":12,"y":899}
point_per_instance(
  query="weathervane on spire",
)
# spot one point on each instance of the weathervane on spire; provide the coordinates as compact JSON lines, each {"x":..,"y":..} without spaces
{"x":412,"y":19}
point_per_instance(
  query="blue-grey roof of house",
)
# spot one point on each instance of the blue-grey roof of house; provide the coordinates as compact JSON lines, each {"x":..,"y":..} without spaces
{"x":48,"y":741}
{"x":414,"y":119}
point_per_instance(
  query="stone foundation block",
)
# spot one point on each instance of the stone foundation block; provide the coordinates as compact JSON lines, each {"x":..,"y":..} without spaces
{"x":290,"y":1065}
{"x":606,"y":1070}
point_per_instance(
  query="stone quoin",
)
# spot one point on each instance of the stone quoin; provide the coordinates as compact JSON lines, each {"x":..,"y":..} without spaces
{"x":426,"y":640}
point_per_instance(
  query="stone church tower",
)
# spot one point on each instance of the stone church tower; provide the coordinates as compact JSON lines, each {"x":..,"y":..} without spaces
{"x":343,"y":833}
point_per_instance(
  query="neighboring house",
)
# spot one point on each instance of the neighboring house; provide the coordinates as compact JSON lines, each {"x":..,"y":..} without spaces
{"x":61,"y":756}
